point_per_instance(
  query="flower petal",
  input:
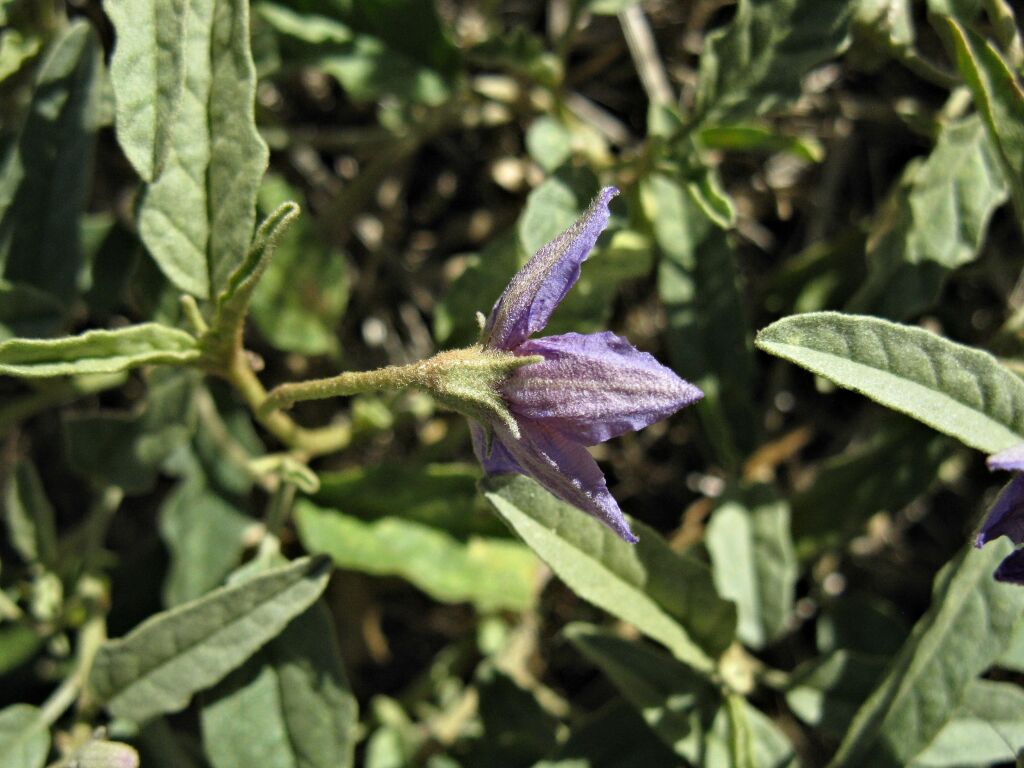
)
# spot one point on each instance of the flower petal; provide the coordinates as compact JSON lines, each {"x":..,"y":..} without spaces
{"x":1011,"y":570}
{"x":499,"y":460}
{"x":1006,"y":518}
{"x":567,"y":470}
{"x":532,"y":295}
{"x":1010,"y":459}
{"x":594,"y":387}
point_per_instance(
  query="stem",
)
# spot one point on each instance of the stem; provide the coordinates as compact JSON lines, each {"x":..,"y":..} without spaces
{"x":280,"y":507}
{"x":90,"y":638}
{"x":312,"y":442}
{"x":644,"y":51}
{"x":342,"y":385}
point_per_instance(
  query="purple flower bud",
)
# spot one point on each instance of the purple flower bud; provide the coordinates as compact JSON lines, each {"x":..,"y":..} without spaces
{"x":586,"y":389}
{"x":1006,"y":518}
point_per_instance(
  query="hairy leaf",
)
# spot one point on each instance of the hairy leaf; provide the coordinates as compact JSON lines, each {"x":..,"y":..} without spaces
{"x":289,"y":706}
{"x":158,"y":666}
{"x":98,"y":351}
{"x":196,"y":217}
{"x":641,"y":583}
{"x":147,"y":70}
{"x":968,"y":626}
{"x":44,"y":179}
{"x":961,"y":391}
{"x":490,"y":573}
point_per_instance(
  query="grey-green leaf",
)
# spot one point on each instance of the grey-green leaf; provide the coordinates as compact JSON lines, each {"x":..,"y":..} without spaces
{"x":968,"y":626}
{"x":493,"y":574}
{"x":677,"y":704}
{"x":159,"y":665}
{"x":24,"y":739}
{"x":44,"y":179}
{"x":98,"y":352}
{"x":754,"y":564}
{"x":289,"y":706}
{"x":758,"y":62}
{"x":957,"y":390}
{"x":197,"y":216}
{"x":30,"y":517}
{"x":147,"y":71}
{"x":999,"y":99}
{"x":641,"y":584}
{"x":934,"y":222}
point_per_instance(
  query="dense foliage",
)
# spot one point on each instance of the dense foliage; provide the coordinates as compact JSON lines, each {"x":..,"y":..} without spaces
{"x":820,"y":225}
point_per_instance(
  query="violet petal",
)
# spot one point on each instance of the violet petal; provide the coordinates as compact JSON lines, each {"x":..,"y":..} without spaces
{"x":1011,"y":570}
{"x":499,"y":460}
{"x":568,"y":471}
{"x":1006,"y":518}
{"x":529,"y":299}
{"x":594,"y":387}
{"x":1010,"y":459}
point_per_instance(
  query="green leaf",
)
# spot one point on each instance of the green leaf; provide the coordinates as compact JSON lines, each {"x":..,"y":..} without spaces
{"x":967,"y":627}
{"x":98,"y":352}
{"x":159,"y":665}
{"x":30,"y":517}
{"x":411,"y":28}
{"x":147,"y":70}
{"x":205,"y":536}
{"x":17,"y":48}
{"x":197,"y":216}
{"x":753,"y":563}
{"x":19,"y":643}
{"x":548,"y":142}
{"x":674,"y":702}
{"x":741,"y":732}
{"x":24,"y":739}
{"x":302,"y":296}
{"x":708,"y":336}
{"x":44,"y":180}
{"x":363,"y":63}
{"x":827,"y":692}
{"x":756,"y":64}
{"x":999,"y":99}
{"x":760,"y":138}
{"x":517,"y":730}
{"x":126,"y":448}
{"x":934,"y":222}
{"x":492,"y":574}
{"x":641,"y":583}
{"x":957,"y":390}
{"x":442,"y":496}
{"x":987,"y":728}
{"x":289,"y":705}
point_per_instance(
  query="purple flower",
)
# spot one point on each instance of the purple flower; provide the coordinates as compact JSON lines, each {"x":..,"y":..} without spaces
{"x":1006,"y":518}
{"x":586,"y":389}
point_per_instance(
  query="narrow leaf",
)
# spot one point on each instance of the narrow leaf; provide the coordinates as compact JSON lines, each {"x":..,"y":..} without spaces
{"x":754,"y":564}
{"x":641,"y":584}
{"x":98,"y":352}
{"x":492,"y":574}
{"x":969,"y":625}
{"x":934,"y":222}
{"x":158,"y":666}
{"x":147,"y":71}
{"x":197,"y":216}
{"x":30,"y":517}
{"x":957,"y":390}
{"x":999,"y":99}
{"x":44,"y":181}
{"x":289,"y":706}
{"x":677,"y":704}
{"x":24,"y":739}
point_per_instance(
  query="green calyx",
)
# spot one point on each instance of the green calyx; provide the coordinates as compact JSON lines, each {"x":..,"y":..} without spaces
{"x":469,"y":380}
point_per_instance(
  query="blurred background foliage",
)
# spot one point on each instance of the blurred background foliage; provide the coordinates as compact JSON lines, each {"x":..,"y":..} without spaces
{"x":774,"y":158}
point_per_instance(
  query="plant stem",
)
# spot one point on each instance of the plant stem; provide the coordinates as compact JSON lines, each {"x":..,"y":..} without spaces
{"x":342,"y":385}
{"x":312,"y":442}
